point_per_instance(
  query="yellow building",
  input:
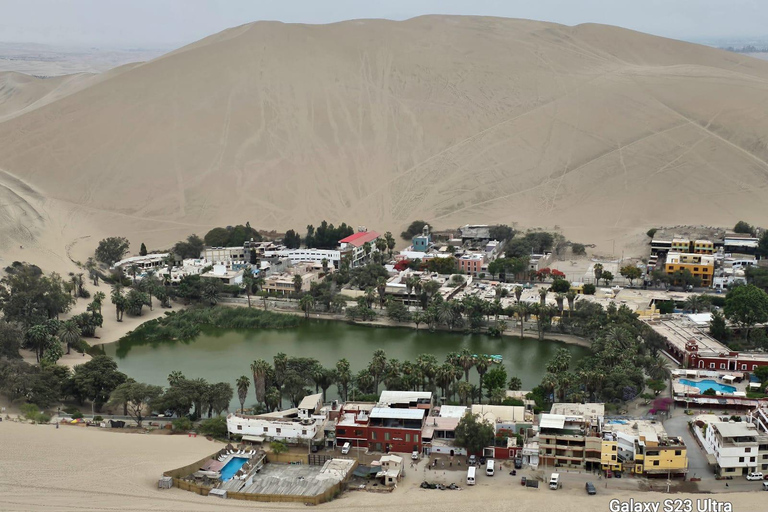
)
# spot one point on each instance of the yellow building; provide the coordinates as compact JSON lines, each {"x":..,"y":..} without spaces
{"x":660,"y":456}
{"x":700,"y":265}
{"x":703,"y":247}
{"x":680,"y":245}
{"x":609,"y":456}
{"x":643,"y":447}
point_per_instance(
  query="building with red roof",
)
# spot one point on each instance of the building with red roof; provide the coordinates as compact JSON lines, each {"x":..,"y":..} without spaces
{"x":353,"y":246}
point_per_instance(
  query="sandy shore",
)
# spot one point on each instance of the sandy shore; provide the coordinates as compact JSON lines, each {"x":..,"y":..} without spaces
{"x":74,"y":468}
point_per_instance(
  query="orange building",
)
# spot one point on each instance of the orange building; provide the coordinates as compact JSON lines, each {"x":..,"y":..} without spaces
{"x":700,"y":265}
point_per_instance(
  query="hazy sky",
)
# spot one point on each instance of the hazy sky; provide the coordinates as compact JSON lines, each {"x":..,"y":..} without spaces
{"x":176,"y":22}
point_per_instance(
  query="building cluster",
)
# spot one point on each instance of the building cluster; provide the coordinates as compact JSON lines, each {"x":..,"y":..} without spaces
{"x":716,"y":257}
{"x":570,"y":435}
{"x":472,"y":247}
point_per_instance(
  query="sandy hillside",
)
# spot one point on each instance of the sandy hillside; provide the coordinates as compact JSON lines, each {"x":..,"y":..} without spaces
{"x":596,"y":129}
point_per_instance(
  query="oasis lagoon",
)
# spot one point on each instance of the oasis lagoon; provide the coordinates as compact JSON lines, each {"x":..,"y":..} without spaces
{"x":224,"y":355}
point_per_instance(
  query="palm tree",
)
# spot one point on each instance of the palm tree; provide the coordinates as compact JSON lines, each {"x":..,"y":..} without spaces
{"x":559,"y":299}
{"x":523,"y":310}
{"x":570,"y":295}
{"x":370,"y":296}
{"x":324,"y":263}
{"x":381,"y":287}
{"x":598,"y":269}
{"x":444,"y":377}
{"x":465,"y":390}
{"x":543,"y":296}
{"x":377,"y":366}
{"x":243,"y":383}
{"x":248,"y":285}
{"x":98,"y":300}
{"x":466,"y":361}
{"x":307,"y":304}
{"x":175,"y":378}
{"x":343,"y":377}
{"x":69,"y":333}
{"x":695,"y":303}
{"x":427,"y":364}
{"x":298,"y":282}
{"x":39,"y":339}
{"x":210,"y":291}
{"x":259,"y":369}
{"x":481,"y":365}
{"x":657,"y":367}
{"x":392,"y":372}
{"x":515,"y":384}
{"x":518,"y":292}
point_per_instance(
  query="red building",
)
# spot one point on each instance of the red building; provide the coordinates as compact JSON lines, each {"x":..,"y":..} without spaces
{"x":393,"y":424}
{"x":729,"y":361}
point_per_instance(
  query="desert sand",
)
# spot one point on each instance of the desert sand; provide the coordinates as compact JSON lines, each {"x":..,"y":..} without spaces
{"x":75,"y":468}
{"x":600,"y":131}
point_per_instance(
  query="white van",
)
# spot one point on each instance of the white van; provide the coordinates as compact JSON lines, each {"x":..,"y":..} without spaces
{"x":489,"y":467}
{"x":345,"y":449}
{"x":471,"y":475}
{"x":554,"y":481}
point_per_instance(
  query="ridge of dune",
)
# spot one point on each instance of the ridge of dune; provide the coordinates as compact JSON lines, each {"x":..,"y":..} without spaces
{"x":598,"y":130}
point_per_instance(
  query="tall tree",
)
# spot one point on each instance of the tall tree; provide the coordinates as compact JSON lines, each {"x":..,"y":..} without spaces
{"x":746,"y":306}
{"x":260,"y":369}
{"x":112,"y":249}
{"x":137,"y":397}
{"x":69,"y":334}
{"x":343,"y":378}
{"x":377,"y":366}
{"x":243,"y":383}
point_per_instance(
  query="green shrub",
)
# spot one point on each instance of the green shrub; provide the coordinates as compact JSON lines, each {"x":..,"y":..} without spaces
{"x":278,"y":447}
{"x":589,"y":289}
{"x":98,"y":419}
{"x":182,"y":424}
{"x":71,"y":409}
{"x":31,"y":412}
{"x":214,"y":427}
{"x":77,"y":415}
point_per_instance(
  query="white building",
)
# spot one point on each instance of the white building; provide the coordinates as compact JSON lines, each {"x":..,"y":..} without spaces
{"x":310,"y":406}
{"x":223,"y":274}
{"x":285,"y":426}
{"x":353,"y":246}
{"x":147,"y":262}
{"x":733,"y":447}
{"x":333,"y":257}
{"x":229,"y":256}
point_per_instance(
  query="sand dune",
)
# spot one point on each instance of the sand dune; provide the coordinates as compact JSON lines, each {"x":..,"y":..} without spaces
{"x":601,"y":131}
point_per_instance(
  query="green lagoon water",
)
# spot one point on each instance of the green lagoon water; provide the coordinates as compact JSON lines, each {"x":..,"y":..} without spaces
{"x":224,"y":355}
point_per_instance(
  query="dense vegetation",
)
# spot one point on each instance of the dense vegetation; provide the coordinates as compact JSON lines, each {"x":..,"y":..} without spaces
{"x":185,"y":324}
{"x":231,"y":236}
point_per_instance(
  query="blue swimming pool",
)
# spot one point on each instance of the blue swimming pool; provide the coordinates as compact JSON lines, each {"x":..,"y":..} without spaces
{"x":704,"y":385}
{"x":232,"y":467}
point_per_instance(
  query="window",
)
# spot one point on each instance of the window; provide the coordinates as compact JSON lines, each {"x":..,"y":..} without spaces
{"x":303,"y":432}
{"x":712,"y":365}
{"x":747,"y":450}
{"x":613,"y":457}
{"x":743,"y":367}
{"x":266,"y":429}
{"x":373,"y":435}
{"x":386,"y":436}
{"x":741,"y":459}
{"x":722,"y":366}
{"x":278,"y":430}
{"x":655,"y":463}
{"x":239,"y":427}
{"x":754,"y":367}
{"x":407,"y":438}
{"x":339,"y":431}
{"x":678,"y":452}
{"x":751,"y":459}
{"x":415,"y":438}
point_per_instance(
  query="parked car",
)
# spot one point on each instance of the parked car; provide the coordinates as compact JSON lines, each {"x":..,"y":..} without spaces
{"x":472,"y":460}
{"x":314,"y":448}
{"x":755,"y":476}
{"x":482,"y":461}
{"x":415,"y":455}
{"x":590,"y":488}
{"x":522,"y":480}
{"x":518,"y":463}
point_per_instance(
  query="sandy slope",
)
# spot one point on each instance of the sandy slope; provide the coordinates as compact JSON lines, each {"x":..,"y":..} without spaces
{"x":90,"y":469}
{"x":595,"y":129}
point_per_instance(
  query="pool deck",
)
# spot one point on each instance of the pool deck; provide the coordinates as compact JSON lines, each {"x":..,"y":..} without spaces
{"x":293,"y":479}
{"x":681,"y":389}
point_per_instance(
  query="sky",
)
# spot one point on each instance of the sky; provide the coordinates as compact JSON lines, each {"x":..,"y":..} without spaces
{"x":172,"y":23}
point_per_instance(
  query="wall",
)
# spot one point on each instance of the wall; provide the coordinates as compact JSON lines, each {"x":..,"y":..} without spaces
{"x":328,"y":495}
